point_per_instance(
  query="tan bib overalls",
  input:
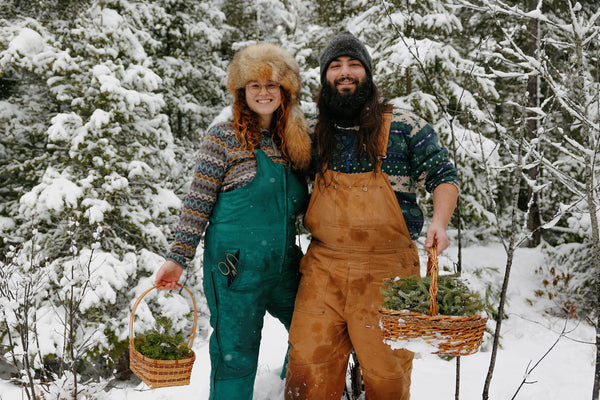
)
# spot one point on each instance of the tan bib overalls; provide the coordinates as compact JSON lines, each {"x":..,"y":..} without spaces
{"x":359,"y":237}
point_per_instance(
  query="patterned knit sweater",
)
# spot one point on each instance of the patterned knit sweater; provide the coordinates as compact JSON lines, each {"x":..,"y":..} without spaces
{"x":222,"y":165}
{"x":414,"y":157}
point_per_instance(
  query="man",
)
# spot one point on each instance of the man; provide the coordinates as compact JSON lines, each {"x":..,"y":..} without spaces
{"x":363,"y":218}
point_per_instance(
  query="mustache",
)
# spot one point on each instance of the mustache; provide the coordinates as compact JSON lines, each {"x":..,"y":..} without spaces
{"x":346,"y":79}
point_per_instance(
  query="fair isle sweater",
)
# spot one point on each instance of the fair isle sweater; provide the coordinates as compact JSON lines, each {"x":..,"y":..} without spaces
{"x":414,"y":157}
{"x":222,"y":165}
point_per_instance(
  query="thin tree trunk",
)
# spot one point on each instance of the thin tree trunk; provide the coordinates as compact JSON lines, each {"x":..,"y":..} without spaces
{"x":457,"y":383}
{"x":510,"y":250}
{"x":533,"y":218}
{"x":596,"y":258}
{"x":488,"y":379}
{"x":24,"y":334}
{"x":71,"y":322}
{"x":593,"y":205}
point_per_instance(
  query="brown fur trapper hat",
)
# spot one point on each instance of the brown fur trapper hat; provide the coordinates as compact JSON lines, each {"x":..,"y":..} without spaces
{"x":266,"y":61}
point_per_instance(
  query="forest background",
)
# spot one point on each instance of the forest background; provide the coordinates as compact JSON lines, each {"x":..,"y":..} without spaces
{"x":103,"y":103}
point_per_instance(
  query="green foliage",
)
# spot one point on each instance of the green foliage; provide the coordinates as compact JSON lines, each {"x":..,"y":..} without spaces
{"x":568,"y":281}
{"x":491,"y":296}
{"x":160,"y":344}
{"x":333,"y":13}
{"x":412,"y":293}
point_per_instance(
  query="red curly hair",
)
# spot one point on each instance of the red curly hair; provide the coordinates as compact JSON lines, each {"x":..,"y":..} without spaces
{"x":247,"y":127}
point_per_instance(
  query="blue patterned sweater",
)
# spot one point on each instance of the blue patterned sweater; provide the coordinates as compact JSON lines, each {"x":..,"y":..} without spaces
{"x":414,"y":158}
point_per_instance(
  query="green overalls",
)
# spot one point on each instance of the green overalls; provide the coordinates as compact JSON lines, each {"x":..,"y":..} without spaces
{"x":256,"y":223}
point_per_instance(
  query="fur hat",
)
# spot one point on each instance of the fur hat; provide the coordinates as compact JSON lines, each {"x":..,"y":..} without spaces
{"x":344,"y":44}
{"x":266,"y":61}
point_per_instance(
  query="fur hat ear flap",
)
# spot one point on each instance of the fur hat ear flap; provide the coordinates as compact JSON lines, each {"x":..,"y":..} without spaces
{"x":297,"y":142}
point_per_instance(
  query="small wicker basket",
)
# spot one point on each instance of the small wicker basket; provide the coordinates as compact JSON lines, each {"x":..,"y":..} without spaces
{"x":161,"y":373}
{"x":451,"y":335}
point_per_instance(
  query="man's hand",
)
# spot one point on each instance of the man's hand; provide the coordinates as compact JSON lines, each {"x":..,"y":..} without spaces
{"x":436,"y":235}
{"x":168,"y":275}
{"x":445,"y":196}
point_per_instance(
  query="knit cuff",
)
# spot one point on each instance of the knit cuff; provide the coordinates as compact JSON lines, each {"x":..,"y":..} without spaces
{"x":178,"y":259}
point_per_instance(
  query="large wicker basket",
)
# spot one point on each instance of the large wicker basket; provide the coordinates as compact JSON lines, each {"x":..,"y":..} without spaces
{"x":161,"y":373}
{"x":450,"y":335}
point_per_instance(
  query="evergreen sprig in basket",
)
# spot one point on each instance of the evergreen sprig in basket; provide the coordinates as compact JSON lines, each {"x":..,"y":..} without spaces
{"x":448,"y":334}
{"x":161,"y":373}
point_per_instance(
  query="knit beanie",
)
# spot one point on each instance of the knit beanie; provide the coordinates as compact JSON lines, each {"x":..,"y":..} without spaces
{"x":266,"y":61}
{"x":344,"y":44}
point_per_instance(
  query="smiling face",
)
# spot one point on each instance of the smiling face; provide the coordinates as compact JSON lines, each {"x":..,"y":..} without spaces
{"x":263,"y":97}
{"x":345,"y":73}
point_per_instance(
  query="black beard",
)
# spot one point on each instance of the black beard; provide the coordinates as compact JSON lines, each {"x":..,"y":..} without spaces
{"x":345,"y":107}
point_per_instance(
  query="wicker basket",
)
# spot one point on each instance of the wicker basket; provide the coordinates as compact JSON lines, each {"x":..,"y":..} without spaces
{"x":161,"y":373}
{"x":450,"y":335}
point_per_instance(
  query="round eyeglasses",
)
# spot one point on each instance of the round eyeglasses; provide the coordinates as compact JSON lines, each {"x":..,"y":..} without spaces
{"x":254,"y":88}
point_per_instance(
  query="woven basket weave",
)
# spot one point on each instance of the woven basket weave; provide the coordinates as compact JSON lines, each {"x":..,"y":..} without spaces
{"x":451,"y":335}
{"x":161,"y":373}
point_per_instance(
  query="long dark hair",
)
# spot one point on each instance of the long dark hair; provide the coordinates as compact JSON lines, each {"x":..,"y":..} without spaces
{"x":246,"y":123}
{"x":369,"y":120}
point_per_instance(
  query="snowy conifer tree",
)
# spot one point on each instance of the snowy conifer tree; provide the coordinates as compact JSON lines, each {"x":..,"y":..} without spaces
{"x":98,"y":159}
{"x":184,"y":47}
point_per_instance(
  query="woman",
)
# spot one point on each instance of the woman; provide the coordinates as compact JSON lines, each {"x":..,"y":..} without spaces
{"x":247,"y":189}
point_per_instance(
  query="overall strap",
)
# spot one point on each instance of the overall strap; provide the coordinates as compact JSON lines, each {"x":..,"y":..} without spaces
{"x":384,"y":132}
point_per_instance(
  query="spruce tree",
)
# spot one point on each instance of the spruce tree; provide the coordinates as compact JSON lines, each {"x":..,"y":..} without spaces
{"x":90,"y":158}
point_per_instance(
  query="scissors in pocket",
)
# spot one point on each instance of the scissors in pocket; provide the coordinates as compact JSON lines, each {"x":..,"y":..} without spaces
{"x":229,"y":267}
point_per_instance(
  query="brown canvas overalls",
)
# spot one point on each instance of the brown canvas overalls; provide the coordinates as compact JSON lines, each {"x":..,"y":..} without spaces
{"x":359,"y":237}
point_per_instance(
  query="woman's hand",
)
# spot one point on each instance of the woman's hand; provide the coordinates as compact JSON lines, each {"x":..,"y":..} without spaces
{"x":168,"y":275}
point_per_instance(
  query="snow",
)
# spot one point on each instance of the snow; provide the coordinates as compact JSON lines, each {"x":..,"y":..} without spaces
{"x":527,"y":334}
{"x":55,"y":193}
{"x":95,"y":209}
{"x":27,"y":42}
{"x":62,"y":125}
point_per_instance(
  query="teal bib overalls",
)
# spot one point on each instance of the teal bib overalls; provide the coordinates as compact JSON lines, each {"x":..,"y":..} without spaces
{"x":256,"y":224}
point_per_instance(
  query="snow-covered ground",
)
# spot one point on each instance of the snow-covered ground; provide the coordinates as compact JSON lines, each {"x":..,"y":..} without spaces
{"x":566,"y":373}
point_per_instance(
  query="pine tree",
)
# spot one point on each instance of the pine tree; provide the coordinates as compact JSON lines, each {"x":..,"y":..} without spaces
{"x":185,"y":49}
{"x":90,"y":156}
{"x":24,"y":116}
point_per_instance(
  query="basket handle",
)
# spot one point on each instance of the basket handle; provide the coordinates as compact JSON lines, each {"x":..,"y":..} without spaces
{"x":433,"y":271}
{"x":139,"y":299}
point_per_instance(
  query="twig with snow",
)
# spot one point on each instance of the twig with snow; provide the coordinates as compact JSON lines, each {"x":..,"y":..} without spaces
{"x":529,"y":370}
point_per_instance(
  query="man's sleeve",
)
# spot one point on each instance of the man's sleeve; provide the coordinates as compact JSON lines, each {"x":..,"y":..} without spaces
{"x":431,"y":165}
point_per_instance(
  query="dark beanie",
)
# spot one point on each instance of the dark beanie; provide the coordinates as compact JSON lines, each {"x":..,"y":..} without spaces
{"x":344,"y":44}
